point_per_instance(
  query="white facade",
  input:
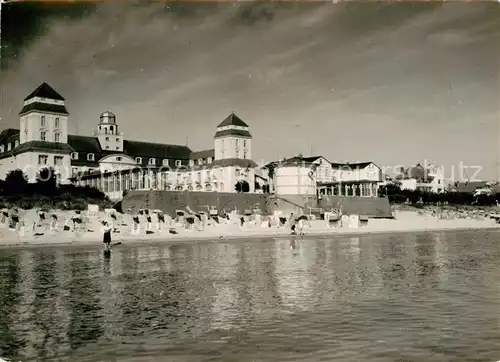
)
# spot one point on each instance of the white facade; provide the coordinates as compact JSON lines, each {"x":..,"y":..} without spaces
{"x":112,"y":164}
{"x":232,"y":146}
{"x":294,"y":180}
{"x":31,"y":163}
{"x":354,"y":172}
{"x":116,"y":162}
{"x":311,"y":175}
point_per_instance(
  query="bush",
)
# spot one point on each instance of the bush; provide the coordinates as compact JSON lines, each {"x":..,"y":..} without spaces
{"x":398,"y":196}
{"x":45,"y":194}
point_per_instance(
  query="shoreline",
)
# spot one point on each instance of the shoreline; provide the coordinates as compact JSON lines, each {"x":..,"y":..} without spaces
{"x":249,"y":234}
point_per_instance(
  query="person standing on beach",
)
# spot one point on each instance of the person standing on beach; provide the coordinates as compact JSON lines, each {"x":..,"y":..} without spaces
{"x":292,"y":222}
{"x":106,"y":236}
{"x":301,"y":226}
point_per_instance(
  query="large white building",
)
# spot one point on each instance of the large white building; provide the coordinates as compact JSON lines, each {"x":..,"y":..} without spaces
{"x":311,"y":176}
{"x":113,"y":164}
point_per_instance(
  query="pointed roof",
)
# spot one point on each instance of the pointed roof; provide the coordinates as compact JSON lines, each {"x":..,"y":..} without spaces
{"x":232,"y":120}
{"x":45,"y":91}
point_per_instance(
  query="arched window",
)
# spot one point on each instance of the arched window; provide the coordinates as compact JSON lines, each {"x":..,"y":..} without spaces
{"x":56,"y":122}
{"x":43,"y":121}
{"x":16,"y":144}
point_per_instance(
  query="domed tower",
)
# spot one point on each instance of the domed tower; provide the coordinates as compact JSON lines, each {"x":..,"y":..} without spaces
{"x":233,"y":139}
{"x":107,"y":133}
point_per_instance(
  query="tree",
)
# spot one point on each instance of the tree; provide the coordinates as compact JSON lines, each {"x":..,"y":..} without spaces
{"x":46,"y":181}
{"x":242,"y":186}
{"x":15,"y":183}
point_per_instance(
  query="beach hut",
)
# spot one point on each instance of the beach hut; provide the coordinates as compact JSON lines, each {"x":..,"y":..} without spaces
{"x":136,"y":227}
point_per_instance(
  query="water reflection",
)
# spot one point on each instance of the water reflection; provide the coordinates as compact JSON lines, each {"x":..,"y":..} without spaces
{"x":433,"y":296}
{"x":86,"y":322}
{"x":10,"y":342}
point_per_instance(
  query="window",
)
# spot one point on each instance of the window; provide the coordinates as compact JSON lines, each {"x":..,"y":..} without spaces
{"x":111,"y":129}
{"x":236,"y":144}
{"x":200,"y":161}
{"x":152,"y":161}
{"x":43,"y":122}
{"x":58,"y":160}
{"x":119,"y":158}
{"x":16,"y":144}
{"x":57,"y":137}
{"x":43,"y":159}
{"x":138,"y":160}
{"x":198,"y":177}
{"x":244,"y":143}
{"x":2,"y":148}
{"x":117,"y":140}
{"x":43,"y":136}
{"x":90,"y":157}
{"x":209,"y":160}
{"x":107,"y":147}
{"x":105,"y":131}
{"x":191,"y":163}
{"x":107,"y":138}
{"x":178,"y":163}
{"x":165,"y":162}
{"x":56,"y":123}
{"x":9,"y":147}
{"x":74,"y":155}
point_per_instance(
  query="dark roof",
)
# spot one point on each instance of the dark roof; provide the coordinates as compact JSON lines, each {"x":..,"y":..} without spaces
{"x":45,"y":91}
{"x":156,"y":150}
{"x":202,"y":154}
{"x":233,"y":132}
{"x":468,"y":187}
{"x":234,"y":162}
{"x":232,"y":120}
{"x":355,"y":165}
{"x":7,"y":134}
{"x":85,"y":145}
{"x":43,"y":146}
{"x":44,"y":107}
{"x":293,"y":161}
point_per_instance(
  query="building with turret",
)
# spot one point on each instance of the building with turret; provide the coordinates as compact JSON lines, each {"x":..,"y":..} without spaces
{"x":113,"y":164}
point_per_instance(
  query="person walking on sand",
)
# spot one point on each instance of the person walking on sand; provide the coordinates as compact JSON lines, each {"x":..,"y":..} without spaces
{"x":292,"y":222}
{"x":301,"y":226}
{"x":106,"y":236}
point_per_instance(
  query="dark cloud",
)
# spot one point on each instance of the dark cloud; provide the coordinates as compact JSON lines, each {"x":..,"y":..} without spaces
{"x":393,"y":82}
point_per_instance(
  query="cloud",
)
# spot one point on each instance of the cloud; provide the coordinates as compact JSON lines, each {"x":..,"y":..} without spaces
{"x":178,"y":69}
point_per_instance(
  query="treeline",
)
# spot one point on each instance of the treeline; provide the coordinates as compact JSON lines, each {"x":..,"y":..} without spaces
{"x":398,"y":196}
{"x":45,"y":193}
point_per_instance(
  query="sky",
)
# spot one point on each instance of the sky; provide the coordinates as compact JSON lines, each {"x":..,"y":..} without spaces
{"x":394,"y":83}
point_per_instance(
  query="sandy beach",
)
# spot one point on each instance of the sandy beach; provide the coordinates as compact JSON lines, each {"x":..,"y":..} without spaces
{"x":36,"y":232}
